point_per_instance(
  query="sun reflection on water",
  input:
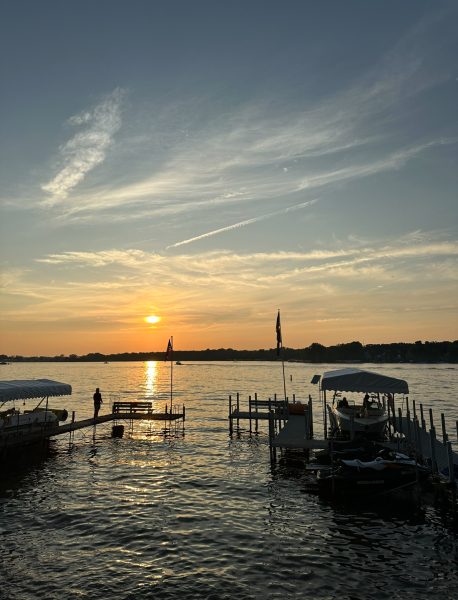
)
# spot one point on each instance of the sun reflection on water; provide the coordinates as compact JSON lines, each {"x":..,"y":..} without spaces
{"x":150,"y":376}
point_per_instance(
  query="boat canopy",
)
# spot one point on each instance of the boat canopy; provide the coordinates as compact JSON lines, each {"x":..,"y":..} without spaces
{"x":357,"y":380}
{"x":22,"y":389}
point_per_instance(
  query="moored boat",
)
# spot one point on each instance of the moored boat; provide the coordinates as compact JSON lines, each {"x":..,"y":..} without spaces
{"x":357,"y":416}
{"x":387,"y":471}
{"x":11,"y":418}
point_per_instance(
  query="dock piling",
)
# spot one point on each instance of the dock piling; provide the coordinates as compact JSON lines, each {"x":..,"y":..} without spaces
{"x":238,"y":412}
{"x":423,"y":422}
{"x":444,"y":431}
{"x":451,"y":466}
{"x":432,"y":438}
{"x":256,"y":410}
{"x":230,"y":417}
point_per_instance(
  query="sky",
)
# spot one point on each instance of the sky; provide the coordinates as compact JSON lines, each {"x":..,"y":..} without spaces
{"x":210,"y":162}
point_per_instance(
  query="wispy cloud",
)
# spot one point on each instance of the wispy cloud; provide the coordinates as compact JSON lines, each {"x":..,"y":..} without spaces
{"x":263,"y":268}
{"x":256,"y":152}
{"x":86,"y":149}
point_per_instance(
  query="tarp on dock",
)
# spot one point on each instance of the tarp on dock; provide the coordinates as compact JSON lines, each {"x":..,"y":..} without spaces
{"x":357,"y":380}
{"x":23,"y":389}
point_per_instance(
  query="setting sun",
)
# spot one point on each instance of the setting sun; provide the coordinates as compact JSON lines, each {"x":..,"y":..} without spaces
{"x":152,"y":319}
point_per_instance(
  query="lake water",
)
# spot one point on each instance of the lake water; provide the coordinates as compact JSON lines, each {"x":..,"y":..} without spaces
{"x":200,"y":515}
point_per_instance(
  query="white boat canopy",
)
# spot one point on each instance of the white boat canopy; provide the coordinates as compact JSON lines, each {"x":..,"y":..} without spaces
{"x":357,"y":380}
{"x":22,"y":389}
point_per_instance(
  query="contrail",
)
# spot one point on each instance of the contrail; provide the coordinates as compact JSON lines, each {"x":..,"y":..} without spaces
{"x":243,"y":223}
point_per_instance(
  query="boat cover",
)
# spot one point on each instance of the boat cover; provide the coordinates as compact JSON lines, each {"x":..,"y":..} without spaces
{"x":22,"y":389}
{"x":357,"y":380}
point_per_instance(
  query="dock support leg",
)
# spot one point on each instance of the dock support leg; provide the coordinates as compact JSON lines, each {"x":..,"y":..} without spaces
{"x":311,"y":416}
{"x":230,"y":417}
{"x":451,"y":466}
{"x":423,"y":422}
{"x":256,"y":411}
{"x":238,"y":412}
{"x":432,"y":437}
{"x":249,"y":411}
{"x":273,"y":450}
{"x":444,"y":431}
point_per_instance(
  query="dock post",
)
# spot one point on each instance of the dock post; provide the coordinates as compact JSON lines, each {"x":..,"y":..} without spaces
{"x":238,"y":412}
{"x":456,"y":430}
{"x":72,"y":431}
{"x":432,"y":437}
{"x":408,"y":419}
{"x":400,"y":421}
{"x":414,"y":407}
{"x":273,"y":451}
{"x":249,"y":411}
{"x":294,"y":398}
{"x":451,"y":466}
{"x":184,"y":416}
{"x":325,"y":417}
{"x":230,"y":417}
{"x":431,"y":420}
{"x":256,"y":409}
{"x":423,"y":422}
{"x":311,"y":416}
{"x":444,"y":432}
{"x":418,"y":446}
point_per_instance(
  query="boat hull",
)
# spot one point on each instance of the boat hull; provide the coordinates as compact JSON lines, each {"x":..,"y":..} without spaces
{"x":354,"y":421}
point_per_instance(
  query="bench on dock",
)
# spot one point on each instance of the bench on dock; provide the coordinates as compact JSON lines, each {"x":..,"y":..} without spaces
{"x":132,"y":407}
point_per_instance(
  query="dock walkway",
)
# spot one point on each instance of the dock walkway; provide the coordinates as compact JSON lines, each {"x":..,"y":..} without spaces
{"x":122,"y":411}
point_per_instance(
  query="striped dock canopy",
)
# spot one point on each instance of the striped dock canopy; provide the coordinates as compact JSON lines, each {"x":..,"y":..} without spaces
{"x":23,"y":389}
{"x":357,"y":380}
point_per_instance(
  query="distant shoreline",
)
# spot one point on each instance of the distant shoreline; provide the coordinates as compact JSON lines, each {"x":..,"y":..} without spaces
{"x":353,"y":352}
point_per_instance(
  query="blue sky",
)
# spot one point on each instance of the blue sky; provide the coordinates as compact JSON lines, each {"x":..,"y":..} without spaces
{"x":210,"y":162}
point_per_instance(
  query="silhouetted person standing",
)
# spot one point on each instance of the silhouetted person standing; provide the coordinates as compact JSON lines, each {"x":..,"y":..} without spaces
{"x":97,"y":402}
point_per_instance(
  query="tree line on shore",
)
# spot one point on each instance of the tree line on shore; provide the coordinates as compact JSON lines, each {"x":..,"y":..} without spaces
{"x":417,"y":352}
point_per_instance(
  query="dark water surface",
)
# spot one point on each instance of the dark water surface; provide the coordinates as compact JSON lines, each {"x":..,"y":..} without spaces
{"x":198,"y":515}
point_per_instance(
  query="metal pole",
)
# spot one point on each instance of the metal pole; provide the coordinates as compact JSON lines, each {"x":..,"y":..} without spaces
{"x":444,"y":432}
{"x":408,"y":418}
{"x":256,"y":409}
{"x":325,"y":417}
{"x":238,"y":411}
{"x":423,"y":423}
{"x":431,"y":420}
{"x":284,"y":382}
{"x":171,"y":375}
{"x":311,"y":416}
{"x":432,"y":436}
{"x":230,"y":416}
{"x":418,"y":438}
{"x":451,"y":466}
{"x":249,"y":410}
{"x":273,"y":452}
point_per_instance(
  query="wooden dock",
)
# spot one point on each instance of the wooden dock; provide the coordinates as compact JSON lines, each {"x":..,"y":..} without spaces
{"x":23,"y":437}
{"x":290,"y":426}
